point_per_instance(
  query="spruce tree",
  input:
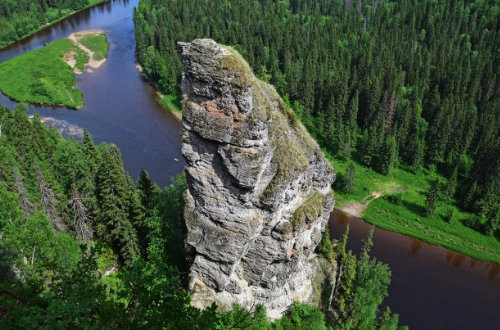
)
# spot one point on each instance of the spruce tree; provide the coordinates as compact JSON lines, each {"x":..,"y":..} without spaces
{"x":146,"y":187}
{"x":90,"y":151}
{"x":349,"y":179}
{"x":451,"y":185}
{"x":113,"y":223}
{"x":432,"y":198}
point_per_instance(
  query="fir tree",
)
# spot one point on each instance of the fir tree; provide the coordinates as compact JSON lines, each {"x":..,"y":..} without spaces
{"x":349,"y":179}
{"x":432,"y":198}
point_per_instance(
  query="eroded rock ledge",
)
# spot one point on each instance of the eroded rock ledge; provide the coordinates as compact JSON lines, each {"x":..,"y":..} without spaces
{"x":259,"y":186}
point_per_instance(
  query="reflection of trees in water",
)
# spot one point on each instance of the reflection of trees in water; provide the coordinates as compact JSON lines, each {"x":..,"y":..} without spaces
{"x":416,"y":245}
{"x":454,"y":258}
{"x":494,"y":270}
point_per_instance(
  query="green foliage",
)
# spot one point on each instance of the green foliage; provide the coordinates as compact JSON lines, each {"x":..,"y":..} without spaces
{"x":362,"y":288}
{"x":73,"y":299}
{"x":308,"y":211}
{"x":42,"y":77}
{"x":239,"y":318}
{"x":97,"y":43}
{"x":46,"y":281}
{"x":359,"y":90}
{"x":347,"y":182}
{"x":325,"y":246}
{"x":432,"y":198}
{"x":464,"y":234}
{"x":302,"y":317}
{"x":396,"y":198}
{"x":21,"y":18}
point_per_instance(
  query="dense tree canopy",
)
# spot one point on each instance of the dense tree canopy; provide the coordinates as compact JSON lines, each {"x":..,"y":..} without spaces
{"x":19,"y":18}
{"x":84,"y":246}
{"x":385,"y":82}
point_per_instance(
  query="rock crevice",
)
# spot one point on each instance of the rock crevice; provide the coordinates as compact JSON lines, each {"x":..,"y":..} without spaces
{"x":259,"y":186}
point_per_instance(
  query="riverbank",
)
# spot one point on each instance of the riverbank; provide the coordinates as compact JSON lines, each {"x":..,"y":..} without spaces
{"x":46,"y":75}
{"x":91,"y":4}
{"x":170,"y":103}
{"x":369,"y":202}
{"x":427,"y":279}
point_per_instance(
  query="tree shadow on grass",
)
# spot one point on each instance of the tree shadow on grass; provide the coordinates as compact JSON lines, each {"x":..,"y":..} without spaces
{"x":413,"y":207}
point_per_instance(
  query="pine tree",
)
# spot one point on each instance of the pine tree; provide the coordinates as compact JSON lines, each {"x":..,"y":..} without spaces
{"x":325,"y":247}
{"x":451,"y":185}
{"x":90,"y":151}
{"x":386,"y":156}
{"x":113,"y":223}
{"x":432,"y":198}
{"x":146,"y":187}
{"x":349,"y":179}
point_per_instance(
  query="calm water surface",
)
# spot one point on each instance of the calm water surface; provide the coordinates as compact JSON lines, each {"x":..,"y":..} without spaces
{"x":120,"y":107}
{"x":432,"y":288}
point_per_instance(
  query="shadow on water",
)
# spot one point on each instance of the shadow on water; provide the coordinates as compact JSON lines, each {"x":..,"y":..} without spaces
{"x":431,"y":287}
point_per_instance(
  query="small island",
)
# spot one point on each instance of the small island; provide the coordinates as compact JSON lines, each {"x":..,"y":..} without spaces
{"x":47,"y":75}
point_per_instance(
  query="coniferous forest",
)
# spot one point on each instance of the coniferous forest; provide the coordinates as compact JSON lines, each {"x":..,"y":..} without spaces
{"x":84,"y":246}
{"x":413,"y":84}
{"x":19,"y":18}
{"x":405,"y":89}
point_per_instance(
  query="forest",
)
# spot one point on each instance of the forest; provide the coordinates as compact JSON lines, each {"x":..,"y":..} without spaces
{"x":19,"y":18}
{"x":407,"y":84}
{"x":83,"y":245}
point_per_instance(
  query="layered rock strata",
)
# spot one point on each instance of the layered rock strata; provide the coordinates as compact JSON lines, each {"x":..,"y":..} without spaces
{"x":259,"y":192}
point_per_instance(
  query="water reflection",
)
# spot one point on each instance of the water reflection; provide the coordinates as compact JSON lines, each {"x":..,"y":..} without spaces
{"x":430,"y":285}
{"x":416,"y":245}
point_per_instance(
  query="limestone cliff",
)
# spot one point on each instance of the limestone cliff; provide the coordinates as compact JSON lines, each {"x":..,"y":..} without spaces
{"x":259,"y":186}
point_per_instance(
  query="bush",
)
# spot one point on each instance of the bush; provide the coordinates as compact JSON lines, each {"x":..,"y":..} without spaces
{"x":449,"y":215}
{"x":395,"y":199}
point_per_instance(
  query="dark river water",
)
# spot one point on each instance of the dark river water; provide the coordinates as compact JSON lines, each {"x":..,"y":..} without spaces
{"x":432,"y":288}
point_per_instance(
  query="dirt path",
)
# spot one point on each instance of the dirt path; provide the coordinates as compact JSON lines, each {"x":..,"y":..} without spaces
{"x":92,"y":64}
{"x":357,"y":209}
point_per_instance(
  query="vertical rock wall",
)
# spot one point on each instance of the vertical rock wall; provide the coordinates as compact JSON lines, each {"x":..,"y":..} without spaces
{"x":259,"y":187}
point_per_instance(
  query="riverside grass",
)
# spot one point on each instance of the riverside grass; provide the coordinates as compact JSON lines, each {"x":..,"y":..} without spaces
{"x":407,"y":218}
{"x":43,"y":77}
{"x":96,"y":43}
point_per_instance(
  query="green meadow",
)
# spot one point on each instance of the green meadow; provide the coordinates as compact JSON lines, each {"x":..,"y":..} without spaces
{"x":43,"y":76}
{"x":408,"y":217}
{"x":96,"y":43}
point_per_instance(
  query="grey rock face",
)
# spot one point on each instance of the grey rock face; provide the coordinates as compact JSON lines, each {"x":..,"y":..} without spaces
{"x":259,"y":187}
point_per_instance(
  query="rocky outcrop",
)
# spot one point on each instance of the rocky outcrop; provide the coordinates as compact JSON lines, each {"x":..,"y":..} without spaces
{"x":259,"y":186}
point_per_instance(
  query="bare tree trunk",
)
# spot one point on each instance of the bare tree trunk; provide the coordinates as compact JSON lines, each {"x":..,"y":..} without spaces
{"x":24,"y":203}
{"x":81,"y":217}
{"x":393,"y":103}
{"x":49,"y":202}
{"x":347,"y":6}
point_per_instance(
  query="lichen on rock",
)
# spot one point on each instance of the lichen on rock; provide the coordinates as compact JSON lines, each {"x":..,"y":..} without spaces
{"x":259,"y":186}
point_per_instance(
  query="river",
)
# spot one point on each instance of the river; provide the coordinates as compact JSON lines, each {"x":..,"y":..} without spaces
{"x":432,"y":288}
{"x":120,"y":106}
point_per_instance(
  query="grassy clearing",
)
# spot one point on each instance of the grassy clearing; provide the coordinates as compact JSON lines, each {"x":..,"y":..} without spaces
{"x":42,"y":77}
{"x":407,"y":218}
{"x":170,"y":103}
{"x":96,"y":43}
